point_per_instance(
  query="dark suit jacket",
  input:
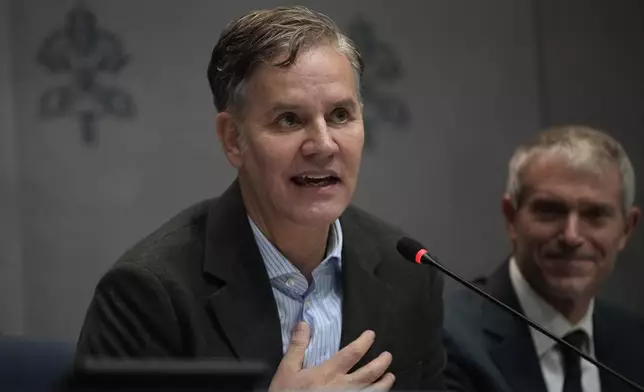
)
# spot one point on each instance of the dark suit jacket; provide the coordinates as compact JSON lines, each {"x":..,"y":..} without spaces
{"x":197,"y":287}
{"x":492,"y":351}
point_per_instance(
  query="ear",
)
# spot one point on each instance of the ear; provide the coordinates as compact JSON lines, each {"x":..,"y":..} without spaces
{"x":228,"y":134}
{"x":510,"y":214}
{"x":630,"y":223}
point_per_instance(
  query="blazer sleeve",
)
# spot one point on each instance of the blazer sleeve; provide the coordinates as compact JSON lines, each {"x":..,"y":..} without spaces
{"x":130,"y":315}
{"x":433,"y":377}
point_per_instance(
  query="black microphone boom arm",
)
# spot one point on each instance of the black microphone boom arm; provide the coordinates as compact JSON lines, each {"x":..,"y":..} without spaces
{"x":414,"y":251}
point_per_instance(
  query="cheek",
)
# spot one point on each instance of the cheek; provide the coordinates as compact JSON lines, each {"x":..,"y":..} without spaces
{"x":354,"y":160}
{"x":351,"y":144}
{"x":606,"y":250}
{"x":268,"y":156}
{"x":534,"y":234}
{"x":606,"y":245}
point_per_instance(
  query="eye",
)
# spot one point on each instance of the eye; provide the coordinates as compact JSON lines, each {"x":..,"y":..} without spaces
{"x":288,"y":120}
{"x":339,"y":116}
{"x":596,"y":213}
{"x":548,"y":209}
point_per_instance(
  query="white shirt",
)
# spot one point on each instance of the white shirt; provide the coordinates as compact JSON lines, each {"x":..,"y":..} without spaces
{"x":537,"y":309}
{"x":318,"y":303}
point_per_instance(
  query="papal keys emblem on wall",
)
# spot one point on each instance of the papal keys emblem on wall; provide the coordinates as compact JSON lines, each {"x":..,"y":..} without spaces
{"x":383,"y":69}
{"x":87,"y":56}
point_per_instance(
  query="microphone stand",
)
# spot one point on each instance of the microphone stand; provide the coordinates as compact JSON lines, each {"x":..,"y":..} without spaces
{"x":432,"y":261}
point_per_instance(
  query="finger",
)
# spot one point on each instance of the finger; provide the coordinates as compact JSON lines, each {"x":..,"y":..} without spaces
{"x":346,"y":358}
{"x":294,"y":356}
{"x":372,"y":371}
{"x":383,"y":385}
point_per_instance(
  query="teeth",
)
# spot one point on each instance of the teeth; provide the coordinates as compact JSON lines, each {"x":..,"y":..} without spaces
{"x":315,"y":180}
{"x":314,"y":177}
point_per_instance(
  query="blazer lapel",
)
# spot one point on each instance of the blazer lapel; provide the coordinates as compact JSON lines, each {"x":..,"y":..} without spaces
{"x":510,"y":338}
{"x":243,"y":305}
{"x":366,"y":297}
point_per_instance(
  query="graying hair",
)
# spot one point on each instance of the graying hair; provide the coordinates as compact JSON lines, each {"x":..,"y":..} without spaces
{"x":261,"y":37}
{"x":583,"y":147}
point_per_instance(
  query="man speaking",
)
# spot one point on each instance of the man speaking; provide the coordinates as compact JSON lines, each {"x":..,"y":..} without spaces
{"x":279,"y":267}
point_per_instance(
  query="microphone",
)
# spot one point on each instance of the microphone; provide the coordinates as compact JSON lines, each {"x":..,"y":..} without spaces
{"x":413,"y":251}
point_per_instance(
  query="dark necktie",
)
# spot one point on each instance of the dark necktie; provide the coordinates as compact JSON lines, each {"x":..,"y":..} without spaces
{"x":572,"y":362}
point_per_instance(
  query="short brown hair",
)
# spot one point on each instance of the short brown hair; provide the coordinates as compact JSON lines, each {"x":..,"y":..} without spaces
{"x":259,"y":37}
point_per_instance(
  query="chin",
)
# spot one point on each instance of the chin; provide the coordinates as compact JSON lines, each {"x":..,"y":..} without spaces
{"x":317,"y":215}
{"x":569,"y":288}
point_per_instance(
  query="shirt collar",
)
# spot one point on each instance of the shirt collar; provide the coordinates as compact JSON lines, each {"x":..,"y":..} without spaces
{"x":537,"y":309}
{"x":277,"y":265}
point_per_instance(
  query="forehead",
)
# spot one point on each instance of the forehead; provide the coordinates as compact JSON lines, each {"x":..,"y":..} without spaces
{"x":552,"y":176}
{"x":319,"y":74}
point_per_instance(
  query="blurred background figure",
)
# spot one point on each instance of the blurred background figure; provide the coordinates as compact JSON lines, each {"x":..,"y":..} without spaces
{"x":569,"y":212}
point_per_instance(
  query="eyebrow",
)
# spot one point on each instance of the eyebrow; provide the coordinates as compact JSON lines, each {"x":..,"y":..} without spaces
{"x":584,"y":203}
{"x":279,"y":107}
{"x":348,"y":103}
{"x":608,"y":207}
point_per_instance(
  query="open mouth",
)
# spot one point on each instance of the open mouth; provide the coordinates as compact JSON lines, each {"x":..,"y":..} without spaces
{"x":312,"y":181}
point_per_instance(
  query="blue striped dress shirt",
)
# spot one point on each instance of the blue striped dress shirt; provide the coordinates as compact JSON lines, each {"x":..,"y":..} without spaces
{"x":318,"y":304}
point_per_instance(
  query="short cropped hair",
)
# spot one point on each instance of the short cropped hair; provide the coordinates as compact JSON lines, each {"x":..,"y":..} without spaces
{"x":261,"y":37}
{"x":581,"y":146}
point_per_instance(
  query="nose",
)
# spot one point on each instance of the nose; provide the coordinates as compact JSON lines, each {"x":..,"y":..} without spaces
{"x":571,"y":234}
{"x":319,"y":141}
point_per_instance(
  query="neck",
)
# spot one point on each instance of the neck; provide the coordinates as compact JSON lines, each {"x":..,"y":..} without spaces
{"x":572,"y":310}
{"x":303,"y":246}
{"x":571,"y":306}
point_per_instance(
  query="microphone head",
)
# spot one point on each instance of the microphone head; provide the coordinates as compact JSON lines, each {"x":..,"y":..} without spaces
{"x":409,"y":248}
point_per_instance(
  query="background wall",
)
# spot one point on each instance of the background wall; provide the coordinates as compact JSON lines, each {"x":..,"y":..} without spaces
{"x":476,"y":78}
{"x":11,"y":299}
{"x":593,"y":62}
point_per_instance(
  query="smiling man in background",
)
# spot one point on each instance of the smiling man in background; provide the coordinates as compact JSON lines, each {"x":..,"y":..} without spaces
{"x":280,"y":267}
{"x":569,"y":213}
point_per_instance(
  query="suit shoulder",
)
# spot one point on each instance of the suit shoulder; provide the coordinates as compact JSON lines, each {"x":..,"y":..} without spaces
{"x":376,"y":232}
{"x":381,"y":238}
{"x":463,"y":309}
{"x":368,"y":222}
{"x":180,"y":236}
{"x":619,"y":318}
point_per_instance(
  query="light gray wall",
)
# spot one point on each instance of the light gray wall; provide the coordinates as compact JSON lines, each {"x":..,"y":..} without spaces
{"x":471,"y":81}
{"x":11,"y":299}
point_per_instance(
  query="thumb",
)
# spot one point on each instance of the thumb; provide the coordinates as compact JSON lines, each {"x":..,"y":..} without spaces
{"x":294,"y":356}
